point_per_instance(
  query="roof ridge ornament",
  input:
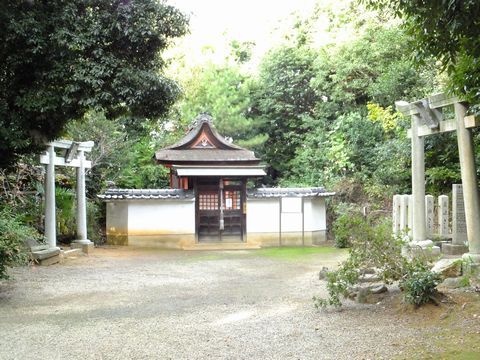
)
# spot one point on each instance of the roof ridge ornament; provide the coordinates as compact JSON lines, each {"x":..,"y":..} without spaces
{"x":201,"y":118}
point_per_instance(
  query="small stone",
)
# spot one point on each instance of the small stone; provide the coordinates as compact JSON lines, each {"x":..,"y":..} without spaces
{"x":453,"y":283}
{"x":367,"y":271}
{"x":378,"y":289}
{"x":448,"y":268}
{"x":370,"y":294}
{"x":444,"y":316}
{"x":369,"y":278}
{"x":322,"y":275}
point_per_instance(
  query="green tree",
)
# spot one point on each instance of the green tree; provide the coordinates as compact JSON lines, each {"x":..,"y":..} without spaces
{"x":349,"y":135}
{"x":446,"y":30}
{"x":282,"y":101}
{"x":122,"y":155}
{"x":220,"y":90}
{"x":61,"y":58}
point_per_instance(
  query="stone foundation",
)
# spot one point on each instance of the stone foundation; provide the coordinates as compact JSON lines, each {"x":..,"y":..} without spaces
{"x":180,"y":241}
{"x":287,"y":239}
{"x":170,"y":241}
{"x":453,"y":249}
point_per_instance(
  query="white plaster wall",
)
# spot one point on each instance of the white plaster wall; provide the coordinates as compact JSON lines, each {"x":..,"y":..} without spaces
{"x":292,"y":218}
{"x":161,"y":217}
{"x":117,"y":218}
{"x":263,"y":215}
{"x":315,"y":214}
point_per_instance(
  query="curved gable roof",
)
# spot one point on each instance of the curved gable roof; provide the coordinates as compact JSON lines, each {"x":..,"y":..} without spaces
{"x":203,"y":144}
{"x":203,"y":125}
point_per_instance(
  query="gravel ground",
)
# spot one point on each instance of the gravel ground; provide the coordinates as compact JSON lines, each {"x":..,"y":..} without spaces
{"x":136,"y":304}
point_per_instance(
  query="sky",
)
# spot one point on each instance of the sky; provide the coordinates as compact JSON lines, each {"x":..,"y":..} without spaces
{"x":211,"y":21}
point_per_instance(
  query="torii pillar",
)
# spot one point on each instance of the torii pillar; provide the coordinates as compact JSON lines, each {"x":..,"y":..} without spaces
{"x":469,"y":184}
{"x":74,"y":156}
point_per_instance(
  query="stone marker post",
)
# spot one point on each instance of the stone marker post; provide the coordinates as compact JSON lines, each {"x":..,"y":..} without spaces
{"x":443,"y":216}
{"x":429,"y":214}
{"x":410,"y":216}
{"x":396,"y":214}
{"x":403,"y":214}
{"x":459,"y":225}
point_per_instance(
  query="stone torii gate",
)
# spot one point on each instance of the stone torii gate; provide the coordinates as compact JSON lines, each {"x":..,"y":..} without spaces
{"x":73,"y":155}
{"x":428,"y":119}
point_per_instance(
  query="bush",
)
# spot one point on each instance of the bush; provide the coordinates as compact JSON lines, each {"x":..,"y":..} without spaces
{"x":65,"y":204}
{"x":419,"y":284}
{"x":346,"y":227}
{"x":13,"y":234}
{"x":95,"y":221}
{"x":374,"y":247}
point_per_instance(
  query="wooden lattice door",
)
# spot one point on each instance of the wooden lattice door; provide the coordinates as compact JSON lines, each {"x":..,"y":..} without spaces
{"x":214,"y":204}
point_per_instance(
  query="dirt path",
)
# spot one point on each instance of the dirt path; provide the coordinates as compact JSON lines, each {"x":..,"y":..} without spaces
{"x":139,"y":304}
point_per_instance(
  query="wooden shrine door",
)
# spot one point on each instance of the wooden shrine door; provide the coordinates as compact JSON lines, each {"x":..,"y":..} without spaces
{"x":214,"y":204}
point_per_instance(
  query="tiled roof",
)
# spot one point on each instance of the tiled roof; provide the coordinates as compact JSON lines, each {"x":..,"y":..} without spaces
{"x":145,"y":194}
{"x":206,"y":155}
{"x":152,"y":194}
{"x":288,"y":192}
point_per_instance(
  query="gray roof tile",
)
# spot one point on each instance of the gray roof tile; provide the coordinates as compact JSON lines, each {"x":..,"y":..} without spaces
{"x":145,"y":194}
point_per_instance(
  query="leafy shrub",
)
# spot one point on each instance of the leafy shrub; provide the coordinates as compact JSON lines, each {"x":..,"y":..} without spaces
{"x":419,"y":284}
{"x":13,"y":233}
{"x":373,"y":246}
{"x":95,"y":221}
{"x":346,"y":227}
{"x":66,"y":216}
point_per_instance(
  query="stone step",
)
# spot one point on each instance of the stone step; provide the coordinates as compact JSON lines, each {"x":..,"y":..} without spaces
{"x":72,"y":253}
{"x":47,"y":256}
{"x":221,"y":246}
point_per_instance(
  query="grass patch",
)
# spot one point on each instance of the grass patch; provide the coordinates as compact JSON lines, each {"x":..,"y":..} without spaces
{"x":294,"y":253}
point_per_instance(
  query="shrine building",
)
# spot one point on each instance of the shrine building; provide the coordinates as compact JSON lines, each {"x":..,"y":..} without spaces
{"x":208,"y":202}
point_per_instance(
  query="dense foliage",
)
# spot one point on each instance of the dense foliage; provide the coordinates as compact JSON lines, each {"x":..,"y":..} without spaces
{"x":61,"y":58}
{"x":13,"y":233}
{"x":283,"y":101}
{"x":447,"y":30}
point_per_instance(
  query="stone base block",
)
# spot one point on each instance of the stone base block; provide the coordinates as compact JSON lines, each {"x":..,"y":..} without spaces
{"x":448,"y":268}
{"x":72,"y":253}
{"x":453,"y":249}
{"x":86,"y":248}
{"x":50,"y":261}
{"x":413,"y":250}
